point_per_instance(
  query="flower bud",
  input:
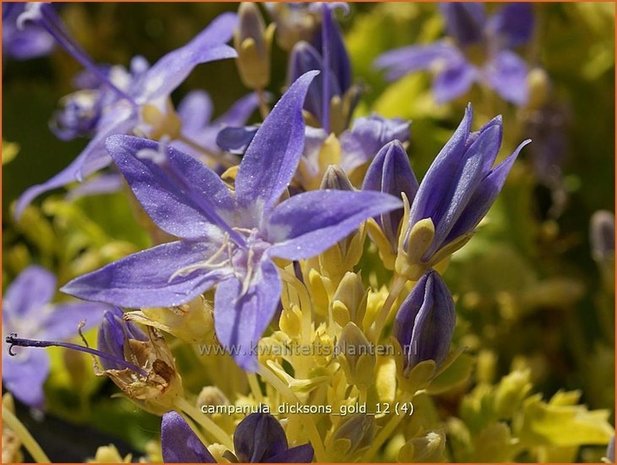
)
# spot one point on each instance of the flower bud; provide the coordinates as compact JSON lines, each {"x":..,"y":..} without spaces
{"x":426,"y":449}
{"x":349,"y":301}
{"x":335,"y":178}
{"x":211,"y":395}
{"x":252,"y":41}
{"x":391,"y":173}
{"x":294,"y":22}
{"x":78,"y":116}
{"x":356,"y":356}
{"x":352,"y":435}
{"x":425,"y":322}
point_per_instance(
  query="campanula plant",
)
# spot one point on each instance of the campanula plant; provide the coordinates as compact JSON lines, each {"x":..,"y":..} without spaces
{"x":279,"y":270}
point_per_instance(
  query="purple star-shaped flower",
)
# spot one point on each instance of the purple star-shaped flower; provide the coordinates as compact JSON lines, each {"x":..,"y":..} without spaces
{"x":28,"y":311}
{"x":455,"y":71}
{"x":130,"y":100}
{"x":226,"y":239}
{"x":259,"y":438}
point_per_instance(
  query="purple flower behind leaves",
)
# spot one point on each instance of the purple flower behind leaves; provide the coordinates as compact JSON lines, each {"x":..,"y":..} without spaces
{"x":227,"y":240}
{"x":28,"y":311}
{"x":124,"y":102}
{"x":259,"y":438}
{"x":502,"y":70}
{"x":425,"y":321}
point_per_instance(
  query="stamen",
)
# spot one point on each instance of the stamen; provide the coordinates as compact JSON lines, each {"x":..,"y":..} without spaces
{"x":13,"y":340}
{"x":208,"y":263}
{"x":158,"y":156}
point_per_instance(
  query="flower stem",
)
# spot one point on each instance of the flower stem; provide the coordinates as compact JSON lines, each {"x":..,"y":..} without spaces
{"x":384,"y":434}
{"x":264,"y":110}
{"x":255,"y":389}
{"x":290,"y":396}
{"x":384,"y":315}
{"x":24,"y":435}
{"x":205,"y":422}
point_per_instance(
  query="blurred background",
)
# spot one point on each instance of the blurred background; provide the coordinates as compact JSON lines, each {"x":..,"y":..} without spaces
{"x":529,"y":291}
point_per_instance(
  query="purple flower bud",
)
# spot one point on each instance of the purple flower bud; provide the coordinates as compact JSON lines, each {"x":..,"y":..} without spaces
{"x":179,"y":444}
{"x":425,"y":321}
{"x":335,"y":178}
{"x":391,"y":173}
{"x":464,"y":21}
{"x":261,"y":438}
{"x":461,"y":184}
{"x":78,"y":116}
{"x":113,"y":336}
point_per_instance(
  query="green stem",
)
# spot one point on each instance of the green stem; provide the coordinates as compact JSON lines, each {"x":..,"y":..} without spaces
{"x":24,"y":435}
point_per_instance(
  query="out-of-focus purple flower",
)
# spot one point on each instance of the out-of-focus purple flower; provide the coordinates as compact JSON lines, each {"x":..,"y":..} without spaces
{"x":457,"y":191}
{"x":358,"y":146}
{"x":179,"y":443}
{"x":298,"y":21}
{"x":455,"y":70}
{"x":195,"y":113}
{"x":425,"y":321}
{"x":331,"y":98}
{"x":26,"y":41}
{"x":259,"y":438}
{"x":391,"y":173}
{"x":367,"y":136}
{"x":27,"y":310}
{"x":227,"y":240}
{"x":124,"y":102}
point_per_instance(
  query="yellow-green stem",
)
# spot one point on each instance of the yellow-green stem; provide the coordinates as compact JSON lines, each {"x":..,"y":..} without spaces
{"x":290,"y":396}
{"x":255,"y":389}
{"x":380,"y":322}
{"x":206,"y":422}
{"x":264,"y":110}
{"x":24,"y":436}
{"x":384,"y":434}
